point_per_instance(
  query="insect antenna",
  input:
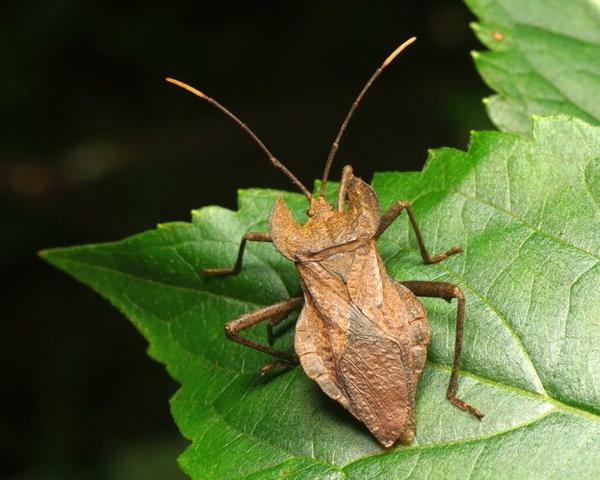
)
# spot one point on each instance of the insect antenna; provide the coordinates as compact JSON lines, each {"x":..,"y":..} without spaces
{"x":336,"y":142}
{"x":246,"y":129}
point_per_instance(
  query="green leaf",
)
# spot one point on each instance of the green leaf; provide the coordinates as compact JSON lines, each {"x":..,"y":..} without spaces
{"x":525,"y":210}
{"x":544,"y":59}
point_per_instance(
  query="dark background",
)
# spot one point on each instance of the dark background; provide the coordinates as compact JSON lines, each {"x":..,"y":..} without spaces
{"x":95,"y":146}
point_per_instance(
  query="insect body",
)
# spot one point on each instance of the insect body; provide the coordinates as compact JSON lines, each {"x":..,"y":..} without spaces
{"x":361,"y":335}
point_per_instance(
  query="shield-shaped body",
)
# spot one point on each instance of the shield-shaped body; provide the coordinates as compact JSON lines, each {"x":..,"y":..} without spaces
{"x":361,"y":336}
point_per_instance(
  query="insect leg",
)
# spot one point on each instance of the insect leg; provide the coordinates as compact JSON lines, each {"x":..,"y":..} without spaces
{"x":273,"y":322}
{"x":237,"y":267}
{"x":393,"y":212}
{"x":346,"y":174}
{"x":247,"y":320}
{"x":448,"y":291}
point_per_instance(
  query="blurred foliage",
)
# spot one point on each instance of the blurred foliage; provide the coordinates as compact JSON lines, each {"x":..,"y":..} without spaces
{"x":94,"y":146}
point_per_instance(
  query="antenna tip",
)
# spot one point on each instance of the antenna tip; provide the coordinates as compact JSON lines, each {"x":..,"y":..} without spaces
{"x":396,"y":52}
{"x":187,"y":87}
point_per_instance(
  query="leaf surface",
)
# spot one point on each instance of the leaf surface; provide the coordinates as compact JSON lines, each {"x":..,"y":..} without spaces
{"x":544,"y":59}
{"x":526,"y":211}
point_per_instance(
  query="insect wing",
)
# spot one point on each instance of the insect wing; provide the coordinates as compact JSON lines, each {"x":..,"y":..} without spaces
{"x":363,"y":337}
{"x":376,"y":377}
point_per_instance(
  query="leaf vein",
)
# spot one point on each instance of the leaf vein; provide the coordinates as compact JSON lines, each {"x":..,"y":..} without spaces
{"x":542,"y":232}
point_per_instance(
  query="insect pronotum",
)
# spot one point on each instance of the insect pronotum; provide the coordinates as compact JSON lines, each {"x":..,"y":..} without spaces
{"x":361,"y":335}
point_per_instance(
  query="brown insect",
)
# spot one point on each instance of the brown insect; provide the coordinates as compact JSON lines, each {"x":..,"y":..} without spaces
{"x":361,"y":335}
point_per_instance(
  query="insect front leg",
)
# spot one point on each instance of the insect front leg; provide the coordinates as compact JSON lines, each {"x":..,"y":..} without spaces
{"x":448,"y":291}
{"x":346,"y":175}
{"x":276,"y":311}
{"x":393,"y":212}
{"x":237,"y":267}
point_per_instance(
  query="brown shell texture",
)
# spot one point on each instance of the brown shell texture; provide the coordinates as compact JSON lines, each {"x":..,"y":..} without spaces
{"x":361,"y":336}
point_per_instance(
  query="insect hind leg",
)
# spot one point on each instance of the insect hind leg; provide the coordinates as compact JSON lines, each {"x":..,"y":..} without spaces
{"x":448,"y":291}
{"x":276,"y":320}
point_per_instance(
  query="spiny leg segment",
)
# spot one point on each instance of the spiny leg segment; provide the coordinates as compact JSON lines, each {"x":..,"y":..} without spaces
{"x":393,"y":212}
{"x":346,"y":175}
{"x":237,"y":267}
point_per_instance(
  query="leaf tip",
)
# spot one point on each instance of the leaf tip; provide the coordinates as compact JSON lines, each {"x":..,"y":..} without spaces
{"x":475,"y":54}
{"x":49,"y":255}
